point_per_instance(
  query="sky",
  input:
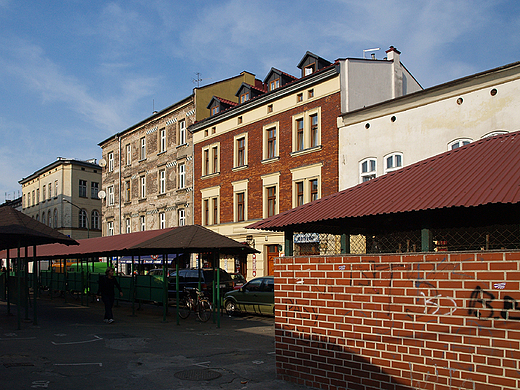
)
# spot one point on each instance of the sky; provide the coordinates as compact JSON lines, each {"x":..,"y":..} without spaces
{"x":75,"y":72}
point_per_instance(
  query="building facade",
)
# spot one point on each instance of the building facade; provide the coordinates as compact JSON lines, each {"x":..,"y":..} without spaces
{"x":64,"y":196}
{"x":148,"y":168}
{"x":383,"y":137}
{"x":278,"y":149}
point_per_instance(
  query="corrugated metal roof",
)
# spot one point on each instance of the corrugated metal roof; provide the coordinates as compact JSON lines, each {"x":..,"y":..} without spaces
{"x":483,"y":172}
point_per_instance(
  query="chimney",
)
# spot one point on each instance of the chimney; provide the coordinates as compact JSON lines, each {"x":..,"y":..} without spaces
{"x":373,"y":55}
{"x":397,"y":72}
{"x":393,"y":54}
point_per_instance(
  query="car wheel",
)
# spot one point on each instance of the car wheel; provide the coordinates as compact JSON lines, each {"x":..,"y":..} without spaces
{"x":231,"y":307}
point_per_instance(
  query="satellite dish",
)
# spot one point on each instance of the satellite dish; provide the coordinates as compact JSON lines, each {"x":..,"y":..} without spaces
{"x":102,"y":163}
{"x":102,"y":194}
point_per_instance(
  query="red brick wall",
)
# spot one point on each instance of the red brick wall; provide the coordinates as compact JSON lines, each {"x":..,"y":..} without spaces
{"x":434,"y":321}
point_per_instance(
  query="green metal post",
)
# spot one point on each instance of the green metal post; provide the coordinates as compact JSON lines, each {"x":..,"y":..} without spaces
{"x":165,"y":288}
{"x":26,"y":283}
{"x":345,"y":244}
{"x":36,"y":285}
{"x":18,"y":289}
{"x":132,"y":287}
{"x":217,"y":255}
{"x":8,"y":275}
{"x":214,"y":287}
{"x":177,"y":287}
{"x":288,"y":243}
{"x":426,"y":240}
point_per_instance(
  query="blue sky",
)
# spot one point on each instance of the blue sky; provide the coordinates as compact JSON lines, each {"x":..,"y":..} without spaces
{"x":74,"y":72}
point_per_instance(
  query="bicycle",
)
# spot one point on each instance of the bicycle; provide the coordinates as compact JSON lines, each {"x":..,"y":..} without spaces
{"x":201,"y":305}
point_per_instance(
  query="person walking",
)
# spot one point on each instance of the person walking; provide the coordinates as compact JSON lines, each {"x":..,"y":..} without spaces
{"x":107,"y":283}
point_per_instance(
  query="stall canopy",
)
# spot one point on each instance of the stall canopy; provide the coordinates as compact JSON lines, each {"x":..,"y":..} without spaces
{"x":20,"y":230}
{"x":184,"y":239}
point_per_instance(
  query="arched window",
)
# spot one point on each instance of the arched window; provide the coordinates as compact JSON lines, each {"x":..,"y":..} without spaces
{"x":83,"y":219}
{"x":458,"y":143}
{"x":43,"y":217}
{"x":55,"y":222}
{"x":49,"y":218}
{"x":367,"y":169}
{"x":95,"y":220}
{"x":393,"y":161}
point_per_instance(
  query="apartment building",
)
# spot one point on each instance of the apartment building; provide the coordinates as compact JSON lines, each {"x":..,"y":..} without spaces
{"x":277,"y":148}
{"x":64,"y":196}
{"x":147,"y":179}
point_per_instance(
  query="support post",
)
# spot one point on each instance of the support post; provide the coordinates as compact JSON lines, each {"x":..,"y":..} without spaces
{"x":36,"y":286}
{"x":345,"y":244}
{"x":288,"y":237}
{"x":426,"y":240}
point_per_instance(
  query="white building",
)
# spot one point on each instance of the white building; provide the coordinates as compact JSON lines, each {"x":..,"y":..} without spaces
{"x":398,"y":132}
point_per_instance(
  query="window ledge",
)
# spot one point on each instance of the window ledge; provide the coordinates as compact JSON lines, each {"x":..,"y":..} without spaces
{"x":142,"y":200}
{"x":141,"y":160}
{"x":161,"y":195}
{"x":210,"y":175}
{"x":240,"y":168}
{"x":164,"y":151}
{"x":270,"y":160}
{"x":305,"y":151}
{"x":183,"y":145}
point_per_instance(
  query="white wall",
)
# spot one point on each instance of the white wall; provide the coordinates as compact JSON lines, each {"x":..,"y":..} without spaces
{"x":427,"y":122}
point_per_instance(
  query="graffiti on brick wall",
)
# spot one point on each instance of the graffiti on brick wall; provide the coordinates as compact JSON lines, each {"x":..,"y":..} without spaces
{"x":484,"y":305}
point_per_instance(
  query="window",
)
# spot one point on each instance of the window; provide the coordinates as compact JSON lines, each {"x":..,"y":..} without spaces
{"x":128,"y":193}
{"x":299,"y":135}
{"x":182,"y":132}
{"x":56,"y":188}
{"x":142,"y":221}
{"x":299,"y":97}
{"x":94,"y":190}
{"x":182,"y":176}
{"x":299,"y":193}
{"x":110,"y":161}
{"x":205,"y":167}
{"x":182,"y":217}
{"x":215,"y":110}
{"x":110,"y":195}
{"x":162,"y":140}
{"x":314,"y":189}
{"x":142,"y":181}
{"x":37,"y":195}
{"x":214,"y":203}
{"x":458,"y":143}
{"x":110,"y":228}
{"x":50,"y":190}
{"x":128,"y":225}
{"x":307,"y":130}
{"x":214,"y":149}
{"x":244,"y":97}
{"x":393,"y":161}
{"x":311,"y":93}
{"x":94,"y":220}
{"x":205,"y":216}
{"x":128,"y":154}
{"x":239,"y":120}
{"x":314,"y":130}
{"x":33,"y":198}
{"x":162,"y":181}
{"x":82,"y":188}
{"x":310,"y":69}
{"x":143,"y":148}
{"x":240,"y":151}
{"x":272,"y":150}
{"x":83,"y":219}
{"x":274,"y":84}
{"x":43,"y":218}
{"x":55,"y":221}
{"x":367,"y":169}
{"x":49,"y":218}
{"x":240,"y":206}
{"x":271,"y":201}
{"x":162,"y":220}
{"x":269,"y":108}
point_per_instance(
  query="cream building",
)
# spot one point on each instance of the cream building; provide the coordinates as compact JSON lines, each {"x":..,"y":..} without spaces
{"x":64,"y":196}
{"x":390,"y":135}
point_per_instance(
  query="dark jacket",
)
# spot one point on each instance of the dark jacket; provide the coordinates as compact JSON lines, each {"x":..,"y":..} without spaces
{"x":106,"y":286}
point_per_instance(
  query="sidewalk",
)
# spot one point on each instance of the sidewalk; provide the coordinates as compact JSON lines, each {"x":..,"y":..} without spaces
{"x":72,"y":348}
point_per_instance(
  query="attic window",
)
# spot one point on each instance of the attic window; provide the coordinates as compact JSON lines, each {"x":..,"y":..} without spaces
{"x":215,"y":110}
{"x":206,"y":133}
{"x":239,"y":120}
{"x":274,"y":84}
{"x":244,"y":97}
{"x":310,"y":69}
{"x":299,"y":97}
{"x":311,"y":93}
{"x":270,"y":108}
{"x":213,"y":130}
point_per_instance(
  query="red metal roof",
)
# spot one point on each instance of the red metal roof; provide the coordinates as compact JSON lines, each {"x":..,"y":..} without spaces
{"x":483,"y":172}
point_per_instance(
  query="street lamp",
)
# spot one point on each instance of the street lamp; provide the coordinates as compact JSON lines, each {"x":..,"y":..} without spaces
{"x":86,"y":215}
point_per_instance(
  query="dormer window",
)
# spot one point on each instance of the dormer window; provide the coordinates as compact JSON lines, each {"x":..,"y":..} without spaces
{"x":310,"y":69}
{"x":244,"y":97}
{"x":215,"y":110}
{"x":274,"y":84}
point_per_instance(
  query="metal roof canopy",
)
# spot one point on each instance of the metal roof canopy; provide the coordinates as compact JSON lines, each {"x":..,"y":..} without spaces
{"x":474,"y":185}
{"x":184,"y":239}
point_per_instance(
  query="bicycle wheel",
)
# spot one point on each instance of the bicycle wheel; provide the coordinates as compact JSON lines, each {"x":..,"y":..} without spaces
{"x":184,"y":308}
{"x":204,"y":310}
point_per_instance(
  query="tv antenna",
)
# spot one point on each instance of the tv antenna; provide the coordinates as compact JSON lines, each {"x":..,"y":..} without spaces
{"x":198,"y":79}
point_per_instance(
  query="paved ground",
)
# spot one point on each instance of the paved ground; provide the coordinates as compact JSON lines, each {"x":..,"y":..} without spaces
{"x":72,"y":348}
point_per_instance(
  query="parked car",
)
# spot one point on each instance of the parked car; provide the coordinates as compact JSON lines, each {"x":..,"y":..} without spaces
{"x":238,"y":280}
{"x":159,"y":272}
{"x":256,"y":296}
{"x":190,"y":278}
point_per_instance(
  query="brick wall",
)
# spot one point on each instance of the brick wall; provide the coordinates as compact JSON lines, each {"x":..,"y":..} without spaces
{"x":427,"y":321}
